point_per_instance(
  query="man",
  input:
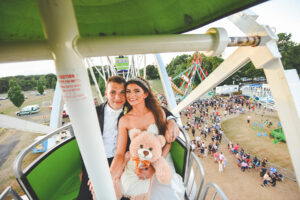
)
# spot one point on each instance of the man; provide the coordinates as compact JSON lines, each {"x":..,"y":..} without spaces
{"x":109,"y":114}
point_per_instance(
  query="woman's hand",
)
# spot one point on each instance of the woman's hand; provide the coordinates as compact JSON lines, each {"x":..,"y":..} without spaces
{"x":172,"y":131}
{"x":146,"y":172}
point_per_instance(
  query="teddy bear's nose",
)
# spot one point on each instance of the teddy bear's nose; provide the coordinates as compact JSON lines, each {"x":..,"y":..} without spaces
{"x":146,"y":153}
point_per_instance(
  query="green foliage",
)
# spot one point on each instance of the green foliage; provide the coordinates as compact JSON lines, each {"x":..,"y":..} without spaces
{"x":4,"y":85}
{"x":290,"y":52}
{"x":15,"y":94}
{"x":278,"y":135}
{"x":40,"y":86}
{"x":48,"y":80}
{"x":26,"y":82}
{"x":151,"y":72}
{"x":101,"y":85}
{"x":53,"y":83}
{"x":178,"y":65}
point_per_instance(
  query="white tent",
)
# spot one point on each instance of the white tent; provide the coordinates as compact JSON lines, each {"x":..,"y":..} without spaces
{"x":227,"y":89}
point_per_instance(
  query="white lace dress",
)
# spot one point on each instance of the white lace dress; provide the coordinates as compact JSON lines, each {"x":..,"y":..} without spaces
{"x":174,"y":190}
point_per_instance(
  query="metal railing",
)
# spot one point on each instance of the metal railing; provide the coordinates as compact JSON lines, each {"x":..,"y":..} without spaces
{"x":18,"y":162}
{"x":10,"y":192}
{"x":17,"y":168}
{"x":195,"y":177}
{"x":217,"y":190}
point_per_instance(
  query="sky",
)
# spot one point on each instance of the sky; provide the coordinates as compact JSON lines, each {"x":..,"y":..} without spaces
{"x":281,"y":15}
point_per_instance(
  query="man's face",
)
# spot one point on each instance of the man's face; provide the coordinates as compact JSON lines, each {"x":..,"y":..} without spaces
{"x":115,"y":94}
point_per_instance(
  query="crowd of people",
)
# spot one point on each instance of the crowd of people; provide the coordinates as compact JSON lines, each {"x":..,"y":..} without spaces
{"x":203,"y":121}
{"x":247,"y":163}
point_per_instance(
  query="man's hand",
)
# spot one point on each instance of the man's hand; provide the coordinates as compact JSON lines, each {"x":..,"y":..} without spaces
{"x":172,"y":131}
{"x":146,"y":172}
{"x":89,"y":183}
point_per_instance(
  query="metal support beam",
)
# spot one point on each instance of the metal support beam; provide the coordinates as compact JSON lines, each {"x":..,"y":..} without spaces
{"x":23,"y":125}
{"x":112,"y":46}
{"x":57,"y":108}
{"x":61,"y":30}
{"x":24,"y":51}
{"x":167,"y":86}
{"x":268,"y":58}
{"x":285,"y":103}
{"x":165,"y":82}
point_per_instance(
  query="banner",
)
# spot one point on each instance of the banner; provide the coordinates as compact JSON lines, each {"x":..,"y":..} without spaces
{"x":122,"y":64}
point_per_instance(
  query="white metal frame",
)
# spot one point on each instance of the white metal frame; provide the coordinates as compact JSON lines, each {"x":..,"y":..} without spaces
{"x":60,"y":27}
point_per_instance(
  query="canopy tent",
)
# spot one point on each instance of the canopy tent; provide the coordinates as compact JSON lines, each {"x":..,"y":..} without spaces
{"x":278,"y":134}
{"x":20,"y":19}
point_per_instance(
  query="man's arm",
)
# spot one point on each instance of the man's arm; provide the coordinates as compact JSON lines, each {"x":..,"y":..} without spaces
{"x":172,"y":131}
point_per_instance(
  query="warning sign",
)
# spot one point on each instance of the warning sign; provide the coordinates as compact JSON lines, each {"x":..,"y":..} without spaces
{"x":71,"y":87}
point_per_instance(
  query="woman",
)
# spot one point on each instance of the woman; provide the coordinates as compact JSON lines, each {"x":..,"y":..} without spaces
{"x":145,"y":114}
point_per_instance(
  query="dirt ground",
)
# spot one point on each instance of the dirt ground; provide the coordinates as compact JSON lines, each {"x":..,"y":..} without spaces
{"x":238,"y":131}
{"x":238,"y":185}
{"x":12,"y":142}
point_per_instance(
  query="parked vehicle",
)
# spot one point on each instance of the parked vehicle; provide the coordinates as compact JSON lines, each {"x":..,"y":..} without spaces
{"x":28,"y":110}
{"x":3,"y":98}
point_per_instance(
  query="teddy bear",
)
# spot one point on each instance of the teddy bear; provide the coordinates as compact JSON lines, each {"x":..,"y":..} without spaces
{"x":145,"y":149}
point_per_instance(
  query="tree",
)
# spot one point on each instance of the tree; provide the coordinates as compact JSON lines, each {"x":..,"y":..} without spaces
{"x":290,"y":52}
{"x":101,"y":85}
{"x":15,"y":94}
{"x":40,"y":87}
{"x":151,"y":72}
{"x":48,"y":79}
{"x":53,"y":83}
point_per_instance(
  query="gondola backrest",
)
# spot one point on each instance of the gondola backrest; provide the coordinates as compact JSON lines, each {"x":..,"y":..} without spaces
{"x":179,"y":153}
{"x":56,"y":174}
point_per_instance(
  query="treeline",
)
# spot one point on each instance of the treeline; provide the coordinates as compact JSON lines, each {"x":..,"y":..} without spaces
{"x":30,"y":82}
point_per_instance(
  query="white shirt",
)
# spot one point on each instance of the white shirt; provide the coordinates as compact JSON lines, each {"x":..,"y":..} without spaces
{"x":110,"y":130}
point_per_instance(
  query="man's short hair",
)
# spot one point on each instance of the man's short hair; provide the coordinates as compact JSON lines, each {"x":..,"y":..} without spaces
{"x":116,"y":79}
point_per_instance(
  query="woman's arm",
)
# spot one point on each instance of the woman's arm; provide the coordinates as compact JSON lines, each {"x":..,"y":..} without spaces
{"x":118,"y":160}
{"x":166,"y":150}
{"x":167,"y":146}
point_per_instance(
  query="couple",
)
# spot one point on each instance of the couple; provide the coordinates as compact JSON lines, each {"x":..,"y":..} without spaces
{"x":144,"y":113}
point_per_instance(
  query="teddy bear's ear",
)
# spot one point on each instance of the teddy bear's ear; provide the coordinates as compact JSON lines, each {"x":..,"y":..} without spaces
{"x":134,"y":132}
{"x":162,"y":140}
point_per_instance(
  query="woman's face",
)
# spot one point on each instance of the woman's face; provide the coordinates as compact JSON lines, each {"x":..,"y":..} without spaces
{"x":135,"y":94}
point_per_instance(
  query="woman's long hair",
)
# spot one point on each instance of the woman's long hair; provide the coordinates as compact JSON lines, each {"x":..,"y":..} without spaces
{"x":151,"y":103}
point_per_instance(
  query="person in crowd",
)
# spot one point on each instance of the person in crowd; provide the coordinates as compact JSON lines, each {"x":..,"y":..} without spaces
{"x":266,"y":180}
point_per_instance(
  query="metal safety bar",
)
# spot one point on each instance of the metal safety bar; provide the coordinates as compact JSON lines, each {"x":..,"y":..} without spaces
{"x":18,"y":162}
{"x":9,"y":192}
{"x":194,"y":185}
{"x":217,"y":189}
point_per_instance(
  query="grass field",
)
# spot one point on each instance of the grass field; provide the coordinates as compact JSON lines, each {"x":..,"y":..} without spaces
{"x":156,"y":86}
{"x":238,"y":131}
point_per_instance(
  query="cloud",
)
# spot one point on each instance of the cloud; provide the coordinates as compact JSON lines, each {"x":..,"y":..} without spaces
{"x":27,"y":68}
